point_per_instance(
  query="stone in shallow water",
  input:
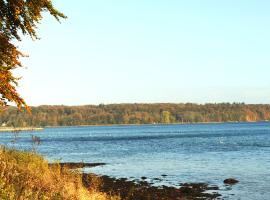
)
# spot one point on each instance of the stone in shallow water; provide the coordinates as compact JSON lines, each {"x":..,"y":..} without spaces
{"x":164,"y":175}
{"x":230,"y":181}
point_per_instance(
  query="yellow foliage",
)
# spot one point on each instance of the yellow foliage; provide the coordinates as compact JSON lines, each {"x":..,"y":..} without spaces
{"x":26,"y":175}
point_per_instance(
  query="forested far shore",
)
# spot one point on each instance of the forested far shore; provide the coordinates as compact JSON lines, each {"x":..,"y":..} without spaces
{"x":42,"y":116}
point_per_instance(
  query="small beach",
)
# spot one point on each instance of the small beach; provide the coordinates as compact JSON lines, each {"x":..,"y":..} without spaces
{"x":19,"y":129}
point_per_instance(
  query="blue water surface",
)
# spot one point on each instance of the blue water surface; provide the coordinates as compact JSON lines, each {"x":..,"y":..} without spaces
{"x":185,"y":153}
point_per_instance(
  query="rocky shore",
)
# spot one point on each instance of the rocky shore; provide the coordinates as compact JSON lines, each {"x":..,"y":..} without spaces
{"x":71,"y":165}
{"x":143,"y":190}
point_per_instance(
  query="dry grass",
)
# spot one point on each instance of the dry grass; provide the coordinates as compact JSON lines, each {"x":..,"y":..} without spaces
{"x":26,"y":175}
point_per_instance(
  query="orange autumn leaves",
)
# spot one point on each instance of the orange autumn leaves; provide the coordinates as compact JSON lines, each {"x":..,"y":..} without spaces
{"x":8,"y":90}
{"x":17,"y":17}
{"x":9,"y":59}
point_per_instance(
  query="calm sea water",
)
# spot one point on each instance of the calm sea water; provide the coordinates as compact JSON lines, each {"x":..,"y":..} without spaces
{"x":185,"y":153}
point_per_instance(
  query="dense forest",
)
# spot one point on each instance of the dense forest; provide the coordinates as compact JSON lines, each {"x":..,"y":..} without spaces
{"x":133,"y":114}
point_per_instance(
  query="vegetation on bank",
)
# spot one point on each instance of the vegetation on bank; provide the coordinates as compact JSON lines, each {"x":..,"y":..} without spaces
{"x":133,"y":114}
{"x":26,"y":175}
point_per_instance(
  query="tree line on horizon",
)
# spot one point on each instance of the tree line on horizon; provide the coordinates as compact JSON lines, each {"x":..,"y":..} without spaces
{"x":157,"y":113}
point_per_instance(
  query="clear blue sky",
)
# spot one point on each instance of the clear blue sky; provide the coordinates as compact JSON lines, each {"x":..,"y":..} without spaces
{"x":150,"y":51}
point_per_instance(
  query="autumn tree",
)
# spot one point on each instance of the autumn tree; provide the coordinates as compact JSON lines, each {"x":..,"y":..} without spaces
{"x":17,"y":18}
{"x":165,"y":117}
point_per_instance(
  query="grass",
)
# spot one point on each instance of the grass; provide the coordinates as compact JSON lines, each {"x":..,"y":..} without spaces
{"x":27,"y":175}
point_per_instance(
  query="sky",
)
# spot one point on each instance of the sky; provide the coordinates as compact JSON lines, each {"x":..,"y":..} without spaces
{"x":149,"y":51}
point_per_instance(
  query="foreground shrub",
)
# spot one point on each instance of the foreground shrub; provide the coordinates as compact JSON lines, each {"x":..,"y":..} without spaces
{"x":26,"y":175}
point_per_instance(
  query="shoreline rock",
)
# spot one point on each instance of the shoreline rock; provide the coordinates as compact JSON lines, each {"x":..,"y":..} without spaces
{"x":73,"y":165}
{"x":142,"y":190}
{"x":230,"y":181}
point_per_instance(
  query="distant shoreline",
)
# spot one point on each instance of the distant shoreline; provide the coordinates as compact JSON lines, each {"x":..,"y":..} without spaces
{"x":134,"y":114}
{"x":184,"y":123}
{"x":12,"y":129}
